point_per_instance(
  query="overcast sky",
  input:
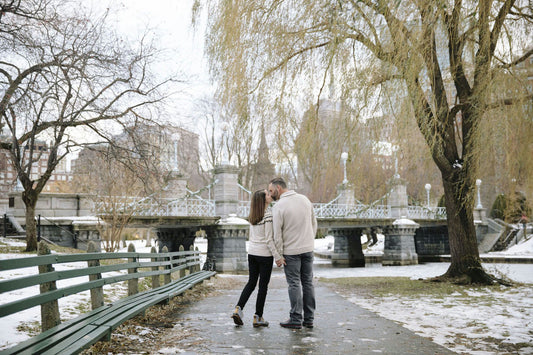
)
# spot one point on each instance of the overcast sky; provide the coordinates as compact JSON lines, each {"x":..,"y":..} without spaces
{"x":168,"y":21}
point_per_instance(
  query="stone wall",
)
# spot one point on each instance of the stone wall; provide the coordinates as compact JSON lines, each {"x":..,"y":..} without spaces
{"x":432,"y":240}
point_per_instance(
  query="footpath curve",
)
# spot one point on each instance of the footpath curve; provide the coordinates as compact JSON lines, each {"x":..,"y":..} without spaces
{"x":341,"y":327}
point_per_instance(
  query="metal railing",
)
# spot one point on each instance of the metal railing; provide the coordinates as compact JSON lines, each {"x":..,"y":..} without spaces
{"x":197,"y":206}
{"x":420,"y":212}
{"x":326,"y":210}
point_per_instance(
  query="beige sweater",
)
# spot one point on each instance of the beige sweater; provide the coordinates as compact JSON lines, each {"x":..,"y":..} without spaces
{"x":294,"y":224}
{"x":261,"y":242}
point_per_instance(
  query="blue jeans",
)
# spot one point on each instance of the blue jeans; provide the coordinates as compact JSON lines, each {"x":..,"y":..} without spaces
{"x":299,"y":275}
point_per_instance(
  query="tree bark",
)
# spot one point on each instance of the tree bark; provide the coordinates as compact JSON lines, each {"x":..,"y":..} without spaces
{"x":465,"y":266}
{"x":31,"y":226}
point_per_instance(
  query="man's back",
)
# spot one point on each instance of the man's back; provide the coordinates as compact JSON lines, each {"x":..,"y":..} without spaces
{"x":295,"y":223}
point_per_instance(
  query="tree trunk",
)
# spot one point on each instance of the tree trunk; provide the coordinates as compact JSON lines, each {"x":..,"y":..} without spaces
{"x":465,"y":264}
{"x":31,"y":225}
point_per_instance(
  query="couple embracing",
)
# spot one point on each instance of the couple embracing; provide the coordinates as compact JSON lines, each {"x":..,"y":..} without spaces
{"x":284,"y":234}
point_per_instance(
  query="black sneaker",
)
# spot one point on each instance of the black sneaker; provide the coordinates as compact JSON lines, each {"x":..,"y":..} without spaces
{"x":308,"y":324}
{"x":291,"y":324}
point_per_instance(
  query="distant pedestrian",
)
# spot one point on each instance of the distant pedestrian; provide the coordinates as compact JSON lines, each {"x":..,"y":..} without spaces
{"x":261,"y":254}
{"x":524,"y":221}
{"x":295,"y":228}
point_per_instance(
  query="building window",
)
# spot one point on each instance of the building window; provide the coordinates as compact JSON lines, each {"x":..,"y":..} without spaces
{"x":11,"y":202}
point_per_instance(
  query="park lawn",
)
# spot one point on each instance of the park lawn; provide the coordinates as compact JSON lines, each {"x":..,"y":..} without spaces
{"x":465,"y":319}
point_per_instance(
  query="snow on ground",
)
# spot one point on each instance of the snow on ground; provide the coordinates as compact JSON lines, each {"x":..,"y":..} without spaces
{"x":474,"y":322}
{"x":487,"y":320}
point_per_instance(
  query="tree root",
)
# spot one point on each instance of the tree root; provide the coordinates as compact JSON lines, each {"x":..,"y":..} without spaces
{"x":472,"y":276}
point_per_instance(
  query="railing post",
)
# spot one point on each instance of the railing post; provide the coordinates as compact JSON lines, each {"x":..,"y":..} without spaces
{"x":226,"y":190}
{"x":133,"y":284}
{"x":50,"y":310}
{"x":398,"y":198}
{"x":192,"y":267}
{"x":197,"y":259}
{"x":4,"y":233}
{"x":167,"y":277}
{"x":183,"y":258}
{"x":155,"y":278}
{"x":97,"y":293}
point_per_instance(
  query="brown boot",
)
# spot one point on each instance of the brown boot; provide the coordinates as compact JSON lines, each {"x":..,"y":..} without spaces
{"x":259,"y":321}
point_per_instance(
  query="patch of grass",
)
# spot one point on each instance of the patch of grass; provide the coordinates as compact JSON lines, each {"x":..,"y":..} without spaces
{"x":9,"y":249}
{"x":32,"y":328}
{"x":404,"y":286}
{"x":65,"y":250}
{"x":384,"y":286}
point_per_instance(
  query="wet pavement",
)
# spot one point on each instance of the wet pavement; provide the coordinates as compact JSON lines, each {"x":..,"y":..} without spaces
{"x":341,"y":327}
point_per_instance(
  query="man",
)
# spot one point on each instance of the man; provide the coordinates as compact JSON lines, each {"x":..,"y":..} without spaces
{"x":295,"y":227}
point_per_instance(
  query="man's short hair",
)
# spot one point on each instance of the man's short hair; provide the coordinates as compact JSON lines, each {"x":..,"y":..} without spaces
{"x":279,"y":181}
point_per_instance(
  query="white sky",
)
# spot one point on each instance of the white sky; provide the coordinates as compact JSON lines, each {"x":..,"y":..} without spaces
{"x":168,"y":24}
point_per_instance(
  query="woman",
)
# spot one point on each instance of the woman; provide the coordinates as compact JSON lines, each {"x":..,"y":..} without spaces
{"x":261,"y":254}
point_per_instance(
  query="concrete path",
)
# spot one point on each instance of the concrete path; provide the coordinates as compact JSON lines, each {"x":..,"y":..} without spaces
{"x":341,"y":327}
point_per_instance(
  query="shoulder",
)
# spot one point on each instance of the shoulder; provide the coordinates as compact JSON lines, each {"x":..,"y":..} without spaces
{"x":267,"y":218}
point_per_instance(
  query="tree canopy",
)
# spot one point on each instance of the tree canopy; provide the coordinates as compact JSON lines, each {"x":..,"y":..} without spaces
{"x":441,"y":58}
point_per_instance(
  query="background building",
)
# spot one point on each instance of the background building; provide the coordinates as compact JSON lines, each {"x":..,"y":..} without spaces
{"x":8,"y":176}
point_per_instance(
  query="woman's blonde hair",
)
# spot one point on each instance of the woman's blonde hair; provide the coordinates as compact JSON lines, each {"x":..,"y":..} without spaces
{"x":257,"y":207}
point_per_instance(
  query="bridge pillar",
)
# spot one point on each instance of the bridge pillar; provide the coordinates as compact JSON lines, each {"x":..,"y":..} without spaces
{"x":176,"y":186}
{"x":173,"y":237}
{"x":226,"y":245}
{"x":346,"y":194}
{"x":226,"y":190}
{"x":398,"y":198}
{"x":480,"y":215}
{"x":400,"y":243}
{"x":347,"y":250}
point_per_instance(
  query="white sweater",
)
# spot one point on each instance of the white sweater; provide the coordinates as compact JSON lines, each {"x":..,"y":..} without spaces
{"x":261,"y":242}
{"x":294,"y":224}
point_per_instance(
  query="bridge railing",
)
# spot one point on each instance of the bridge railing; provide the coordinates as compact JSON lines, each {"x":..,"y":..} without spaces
{"x":327,"y":210}
{"x":243,"y":209}
{"x":198,"y":207}
{"x":182,"y":207}
{"x":420,"y":212}
{"x":189,"y":206}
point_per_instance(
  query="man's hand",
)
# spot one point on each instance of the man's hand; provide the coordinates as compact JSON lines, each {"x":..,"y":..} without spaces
{"x":281,"y":262}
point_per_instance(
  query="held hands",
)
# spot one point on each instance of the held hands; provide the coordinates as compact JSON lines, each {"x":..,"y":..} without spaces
{"x":281,"y":262}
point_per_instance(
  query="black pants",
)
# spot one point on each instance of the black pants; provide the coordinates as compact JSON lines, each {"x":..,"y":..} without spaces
{"x":260,"y":267}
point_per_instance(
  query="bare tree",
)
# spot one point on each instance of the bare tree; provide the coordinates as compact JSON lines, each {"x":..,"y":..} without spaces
{"x":116,"y":188}
{"x":442,"y":56}
{"x":227,"y":135}
{"x":64,"y":75}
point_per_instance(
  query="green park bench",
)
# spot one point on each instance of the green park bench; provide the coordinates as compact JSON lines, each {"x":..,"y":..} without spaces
{"x":74,"y":335}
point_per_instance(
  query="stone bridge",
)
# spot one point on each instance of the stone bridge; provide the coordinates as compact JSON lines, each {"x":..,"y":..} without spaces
{"x":178,"y":215}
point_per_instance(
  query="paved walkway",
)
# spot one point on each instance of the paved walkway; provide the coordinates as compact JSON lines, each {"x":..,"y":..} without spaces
{"x":341,"y":327}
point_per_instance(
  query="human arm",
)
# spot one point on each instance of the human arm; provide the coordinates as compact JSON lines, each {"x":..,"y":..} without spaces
{"x":277,"y":224}
{"x":269,"y":236}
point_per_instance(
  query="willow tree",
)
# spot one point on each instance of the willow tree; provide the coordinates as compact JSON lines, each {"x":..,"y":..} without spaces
{"x":439,"y":55}
{"x":64,"y":73}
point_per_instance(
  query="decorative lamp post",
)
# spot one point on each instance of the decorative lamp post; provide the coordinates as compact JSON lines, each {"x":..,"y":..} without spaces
{"x":478,"y":184}
{"x":225,"y":157}
{"x":428,"y":188}
{"x":344,"y":157}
